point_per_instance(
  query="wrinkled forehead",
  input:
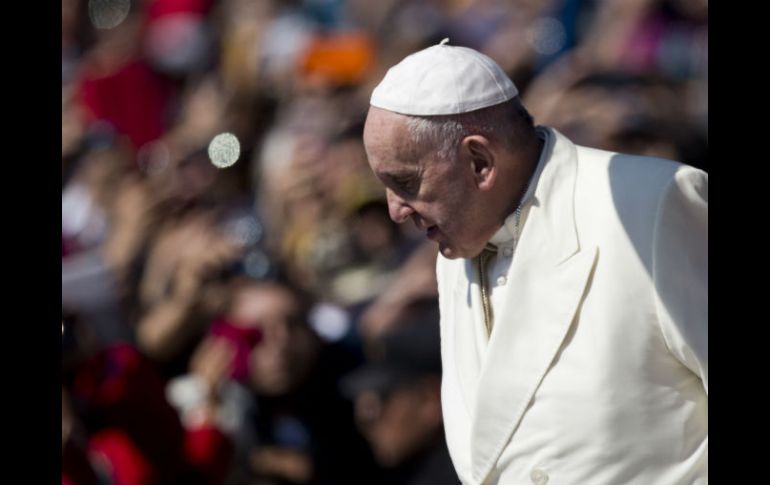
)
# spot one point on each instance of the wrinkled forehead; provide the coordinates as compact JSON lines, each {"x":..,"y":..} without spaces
{"x":387,"y":138}
{"x":383,"y":127}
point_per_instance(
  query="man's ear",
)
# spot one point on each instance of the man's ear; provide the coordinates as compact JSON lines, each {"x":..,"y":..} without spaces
{"x":477,"y":151}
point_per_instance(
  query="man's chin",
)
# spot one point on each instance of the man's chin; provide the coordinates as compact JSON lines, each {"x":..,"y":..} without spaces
{"x":449,"y":252}
{"x":453,"y":252}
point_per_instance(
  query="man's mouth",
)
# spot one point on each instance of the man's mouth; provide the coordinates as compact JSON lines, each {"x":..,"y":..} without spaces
{"x":431,"y":232}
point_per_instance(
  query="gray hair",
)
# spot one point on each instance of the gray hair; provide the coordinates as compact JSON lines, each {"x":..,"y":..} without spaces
{"x":505,"y":123}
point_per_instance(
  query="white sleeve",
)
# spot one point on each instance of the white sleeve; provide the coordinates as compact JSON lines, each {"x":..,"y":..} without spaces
{"x":680,"y":268}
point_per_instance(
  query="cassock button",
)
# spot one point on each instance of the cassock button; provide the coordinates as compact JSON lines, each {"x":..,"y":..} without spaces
{"x":501,"y":280}
{"x":539,"y":477}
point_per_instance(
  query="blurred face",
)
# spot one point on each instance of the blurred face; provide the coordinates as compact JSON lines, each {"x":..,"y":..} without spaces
{"x":288,"y":347}
{"x":399,"y":425}
{"x":441,"y":197}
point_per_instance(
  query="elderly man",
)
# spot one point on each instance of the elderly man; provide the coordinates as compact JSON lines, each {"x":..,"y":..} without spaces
{"x":572,"y":281}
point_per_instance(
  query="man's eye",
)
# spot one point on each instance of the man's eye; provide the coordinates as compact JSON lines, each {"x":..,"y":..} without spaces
{"x":405,"y":185}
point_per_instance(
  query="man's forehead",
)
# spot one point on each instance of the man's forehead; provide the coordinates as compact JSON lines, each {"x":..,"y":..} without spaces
{"x":392,"y":164}
{"x":381,"y":123}
{"x":387,"y":139}
{"x":384,"y":114}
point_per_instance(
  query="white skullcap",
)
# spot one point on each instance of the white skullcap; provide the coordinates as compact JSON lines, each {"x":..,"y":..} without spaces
{"x":443,"y":80}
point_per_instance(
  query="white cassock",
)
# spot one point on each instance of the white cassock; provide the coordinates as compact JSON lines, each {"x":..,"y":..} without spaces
{"x":596,"y":370}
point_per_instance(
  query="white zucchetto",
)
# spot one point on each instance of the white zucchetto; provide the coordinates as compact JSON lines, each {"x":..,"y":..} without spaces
{"x":443,"y":80}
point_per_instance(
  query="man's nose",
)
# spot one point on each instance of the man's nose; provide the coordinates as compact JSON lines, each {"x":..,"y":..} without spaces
{"x":398,"y":209}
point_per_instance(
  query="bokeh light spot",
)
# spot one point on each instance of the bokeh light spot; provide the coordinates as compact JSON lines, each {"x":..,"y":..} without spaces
{"x":331,"y":322}
{"x":106,"y":14}
{"x":224,"y":150}
{"x":256,"y":264}
{"x":547,"y":36}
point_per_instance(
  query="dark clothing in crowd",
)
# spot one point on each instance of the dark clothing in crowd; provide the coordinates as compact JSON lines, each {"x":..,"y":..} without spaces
{"x":432,"y":466}
{"x":315,"y":420}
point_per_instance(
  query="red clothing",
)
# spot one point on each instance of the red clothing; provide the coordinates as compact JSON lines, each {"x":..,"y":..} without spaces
{"x":159,"y":8}
{"x":120,"y":459}
{"x":134,"y":99}
{"x":144,"y":440}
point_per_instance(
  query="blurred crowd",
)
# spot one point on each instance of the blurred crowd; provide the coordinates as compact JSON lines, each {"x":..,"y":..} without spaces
{"x":266,"y":322}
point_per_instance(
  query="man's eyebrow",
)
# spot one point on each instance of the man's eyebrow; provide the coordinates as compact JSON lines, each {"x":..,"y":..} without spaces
{"x":400,"y":173}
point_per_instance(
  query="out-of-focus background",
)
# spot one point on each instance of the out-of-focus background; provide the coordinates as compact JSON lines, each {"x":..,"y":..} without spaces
{"x":237,"y":307}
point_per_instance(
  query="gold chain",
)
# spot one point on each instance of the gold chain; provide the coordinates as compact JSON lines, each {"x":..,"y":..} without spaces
{"x":489,"y":250}
{"x":485,"y":303}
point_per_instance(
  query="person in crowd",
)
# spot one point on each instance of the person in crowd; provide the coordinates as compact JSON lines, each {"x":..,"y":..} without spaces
{"x":266,"y":379}
{"x":397,"y":397}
